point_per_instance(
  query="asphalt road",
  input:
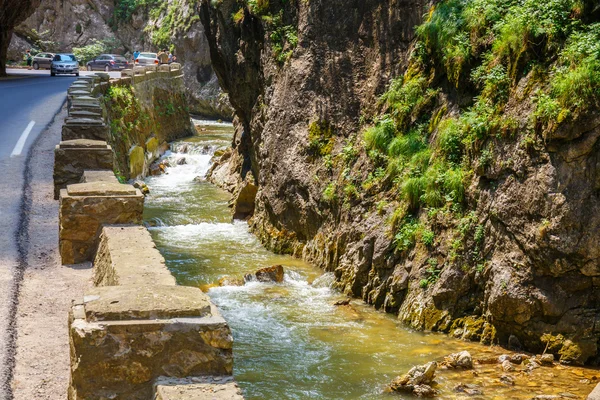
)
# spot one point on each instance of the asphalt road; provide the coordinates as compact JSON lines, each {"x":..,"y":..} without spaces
{"x":29,"y":100}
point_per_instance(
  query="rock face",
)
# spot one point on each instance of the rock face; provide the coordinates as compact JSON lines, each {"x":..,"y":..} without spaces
{"x":61,"y":26}
{"x":12,"y":13}
{"x":298,"y":111}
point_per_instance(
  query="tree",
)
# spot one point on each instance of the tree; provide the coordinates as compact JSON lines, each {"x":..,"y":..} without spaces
{"x":12,"y":13}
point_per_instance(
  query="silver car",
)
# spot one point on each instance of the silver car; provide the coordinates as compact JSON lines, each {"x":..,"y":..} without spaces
{"x":146,"y":59}
{"x":42,"y":60}
{"x":64,"y":63}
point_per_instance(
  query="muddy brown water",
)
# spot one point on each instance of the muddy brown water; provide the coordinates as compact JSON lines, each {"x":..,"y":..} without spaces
{"x":291,"y":342}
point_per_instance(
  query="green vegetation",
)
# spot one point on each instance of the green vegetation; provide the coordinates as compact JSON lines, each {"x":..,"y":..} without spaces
{"x":124,"y":9}
{"x":283,"y":36}
{"x":320,"y":138}
{"x":485,"y":48}
{"x":96,"y":47}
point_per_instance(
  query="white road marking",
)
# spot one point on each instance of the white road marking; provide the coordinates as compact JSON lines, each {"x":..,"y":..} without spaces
{"x":21,"y":143}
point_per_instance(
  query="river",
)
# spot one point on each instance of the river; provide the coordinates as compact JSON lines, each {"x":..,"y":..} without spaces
{"x":290,"y":340}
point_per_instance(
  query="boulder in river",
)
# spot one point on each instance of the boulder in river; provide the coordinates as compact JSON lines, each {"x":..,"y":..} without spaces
{"x":181,"y":161}
{"x":138,"y":184}
{"x":269,"y":274}
{"x":417,"y":381}
{"x":231,"y":281}
{"x":459,"y":360}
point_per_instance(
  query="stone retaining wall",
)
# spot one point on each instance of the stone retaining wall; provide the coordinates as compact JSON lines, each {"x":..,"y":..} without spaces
{"x":135,"y":334}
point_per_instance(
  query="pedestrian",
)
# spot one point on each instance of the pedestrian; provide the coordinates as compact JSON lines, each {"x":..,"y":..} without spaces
{"x":28,"y":58}
{"x":163,"y":56}
{"x":170,"y":57}
{"x":136,"y":54}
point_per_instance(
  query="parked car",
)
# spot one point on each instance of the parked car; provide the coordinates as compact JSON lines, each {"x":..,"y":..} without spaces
{"x":64,"y":63}
{"x":108,"y":62}
{"x":147,"y":59}
{"x":42,"y":60}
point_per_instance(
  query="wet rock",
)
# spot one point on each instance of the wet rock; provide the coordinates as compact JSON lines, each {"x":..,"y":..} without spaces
{"x":503,"y":358}
{"x":231,"y":281}
{"x":245,"y":202}
{"x":269,"y":274}
{"x":138,"y":184}
{"x":199,"y":179}
{"x":546,"y":359}
{"x":184,"y":149}
{"x":532,"y":364}
{"x":507,"y":366}
{"x":507,"y":380}
{"x":181,"y":161}
{"x":459,"y":360}
{"x":342,"y":302}
{"x":514,"y":343}
{"x":413,"y":381}
{"x":467,"y":388}
{"x":424,"y":391}
{"x":517,"y":358}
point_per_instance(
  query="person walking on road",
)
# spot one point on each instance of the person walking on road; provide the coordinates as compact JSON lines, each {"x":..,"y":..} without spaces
{"x":28,"y":58}
{"x":163,"y":57}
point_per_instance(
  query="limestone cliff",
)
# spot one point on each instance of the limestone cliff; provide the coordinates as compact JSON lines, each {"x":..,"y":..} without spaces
{"x":127,"y":26}
{"x":450,"y":174}
{"x":12,"y":13}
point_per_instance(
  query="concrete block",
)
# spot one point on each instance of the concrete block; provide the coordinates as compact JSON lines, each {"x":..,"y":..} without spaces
{"x":117,"y":353}
{"x":84,"y":128}
{"x":197,"y":388}
{"x":85,"y":208}
{"x":77,"y":105}
{"x":90,"y":176}
{"x":127,"y":255}
{"x":103,"y":76}
{"x":77,"y":113}
{"x":73,"y":157}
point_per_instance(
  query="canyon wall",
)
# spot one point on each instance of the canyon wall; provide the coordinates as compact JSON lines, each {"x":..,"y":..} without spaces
{"x":12,"y":13}
{"x":490,"y":230}
{"x":150,"y":26}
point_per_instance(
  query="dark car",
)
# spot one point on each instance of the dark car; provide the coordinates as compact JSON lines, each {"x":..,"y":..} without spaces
{"x":42,"y":60}
{"x":108,"y":62}
{"x":64,"y":63}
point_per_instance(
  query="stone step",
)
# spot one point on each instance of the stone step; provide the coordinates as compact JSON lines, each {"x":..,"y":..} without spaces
{"x":73,"y":157}
{"x":127,"y":255}
{"x":86,"y":207}
{"x":98,"y":176}
{"x":197,"y":388}
{"x":114,"y":354}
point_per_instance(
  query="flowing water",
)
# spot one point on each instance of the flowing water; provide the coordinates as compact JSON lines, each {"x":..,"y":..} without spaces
{"x":290,"y":341}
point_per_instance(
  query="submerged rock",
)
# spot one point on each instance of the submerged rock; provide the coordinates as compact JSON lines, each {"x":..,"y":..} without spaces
{"x":342,"y":302}
{"x":459,"y":360}
{"x":231,"y":281}
{"x":507,"y":380}
{"x":467,"y":388}
{"x":181,"y":161}
{"x":416,"y":381}
{"x":270,"y":274}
